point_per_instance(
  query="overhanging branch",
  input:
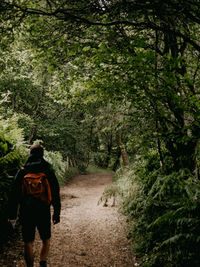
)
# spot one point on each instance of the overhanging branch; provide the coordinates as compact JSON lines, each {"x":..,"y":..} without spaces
{"x":66,"y":15}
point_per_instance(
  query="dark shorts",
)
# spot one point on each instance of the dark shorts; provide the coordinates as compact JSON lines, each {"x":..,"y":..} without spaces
{"x":35,"y":216}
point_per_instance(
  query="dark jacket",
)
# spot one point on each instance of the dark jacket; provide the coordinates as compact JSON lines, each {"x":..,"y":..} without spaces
{"x":34,"y":165}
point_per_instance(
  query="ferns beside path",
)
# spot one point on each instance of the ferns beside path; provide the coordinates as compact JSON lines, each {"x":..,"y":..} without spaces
{"x":10,"y":158}
{"x":163,"y":213}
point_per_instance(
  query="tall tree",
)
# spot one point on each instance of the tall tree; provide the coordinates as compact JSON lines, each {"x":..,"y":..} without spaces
{"x":146,"y":52}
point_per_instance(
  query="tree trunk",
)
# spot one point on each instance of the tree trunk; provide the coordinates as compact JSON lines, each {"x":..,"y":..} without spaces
{"x":32,"y":134}
{"x":159,"y":147}
{"x":109,"y":149}
{"x":122,"y":148}
{"x":117,"y":161}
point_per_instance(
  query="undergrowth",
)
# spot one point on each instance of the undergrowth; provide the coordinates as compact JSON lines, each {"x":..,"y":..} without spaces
{"x":96,"y":169}
{"x":12,"y":155}
{"x":163,"y":214}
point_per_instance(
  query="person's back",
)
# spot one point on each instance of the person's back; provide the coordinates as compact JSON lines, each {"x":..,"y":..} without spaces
{"x":34,"y":212}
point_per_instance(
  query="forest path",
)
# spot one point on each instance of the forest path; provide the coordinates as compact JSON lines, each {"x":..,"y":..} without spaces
{"x":88,"y":234}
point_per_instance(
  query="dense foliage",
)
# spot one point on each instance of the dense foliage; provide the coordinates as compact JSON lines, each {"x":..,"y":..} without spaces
{"x":108,"y":82}
{"x":163,"y":214}
{"x":11,"y":157}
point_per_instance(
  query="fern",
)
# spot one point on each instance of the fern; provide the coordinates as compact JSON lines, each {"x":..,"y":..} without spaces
{"x":163,"y":213}
{"x":12,"y":152}
{"x":109,"y":192}
{"x":58,"y":164}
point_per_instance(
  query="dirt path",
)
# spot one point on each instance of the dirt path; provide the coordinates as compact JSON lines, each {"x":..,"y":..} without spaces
{"x":88,"y":234}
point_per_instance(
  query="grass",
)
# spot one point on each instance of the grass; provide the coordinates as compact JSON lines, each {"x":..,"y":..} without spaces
{"x":95,"y":169}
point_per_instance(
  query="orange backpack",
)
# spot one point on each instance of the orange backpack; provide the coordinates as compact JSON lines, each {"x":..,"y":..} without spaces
{"x":36,"y":185}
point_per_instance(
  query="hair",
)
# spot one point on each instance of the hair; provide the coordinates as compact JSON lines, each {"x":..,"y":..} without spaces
{"x":37,"y":150}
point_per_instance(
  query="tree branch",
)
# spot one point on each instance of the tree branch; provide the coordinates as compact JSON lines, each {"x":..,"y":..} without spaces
{"x":65,"y":15}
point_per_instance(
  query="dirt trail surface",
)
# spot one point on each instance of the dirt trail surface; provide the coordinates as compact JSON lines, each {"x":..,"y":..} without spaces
{"x":88,"y":234}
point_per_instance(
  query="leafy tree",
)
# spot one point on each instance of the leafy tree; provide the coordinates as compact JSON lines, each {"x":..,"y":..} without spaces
{"x":112,"y":75}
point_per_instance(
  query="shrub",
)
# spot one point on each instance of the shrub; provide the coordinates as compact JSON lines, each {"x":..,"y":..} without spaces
{"x":12,"y":154}
{"x":163,"y":214}
{"x":58,"y":164}
{"x":71,"y":172}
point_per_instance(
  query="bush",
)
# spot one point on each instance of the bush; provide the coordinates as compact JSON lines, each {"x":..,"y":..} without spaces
{"x":82,"y":168}
{"x":71,"y":172}
{"x":12,"y":154}
{"x":60,"y":167}
{"x":163,"y":214}
{"x":58,"y":164}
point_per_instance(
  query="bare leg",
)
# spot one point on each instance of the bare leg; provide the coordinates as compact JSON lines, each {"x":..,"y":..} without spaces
{"x":28,"y":253}
{"x":44,"y":249}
